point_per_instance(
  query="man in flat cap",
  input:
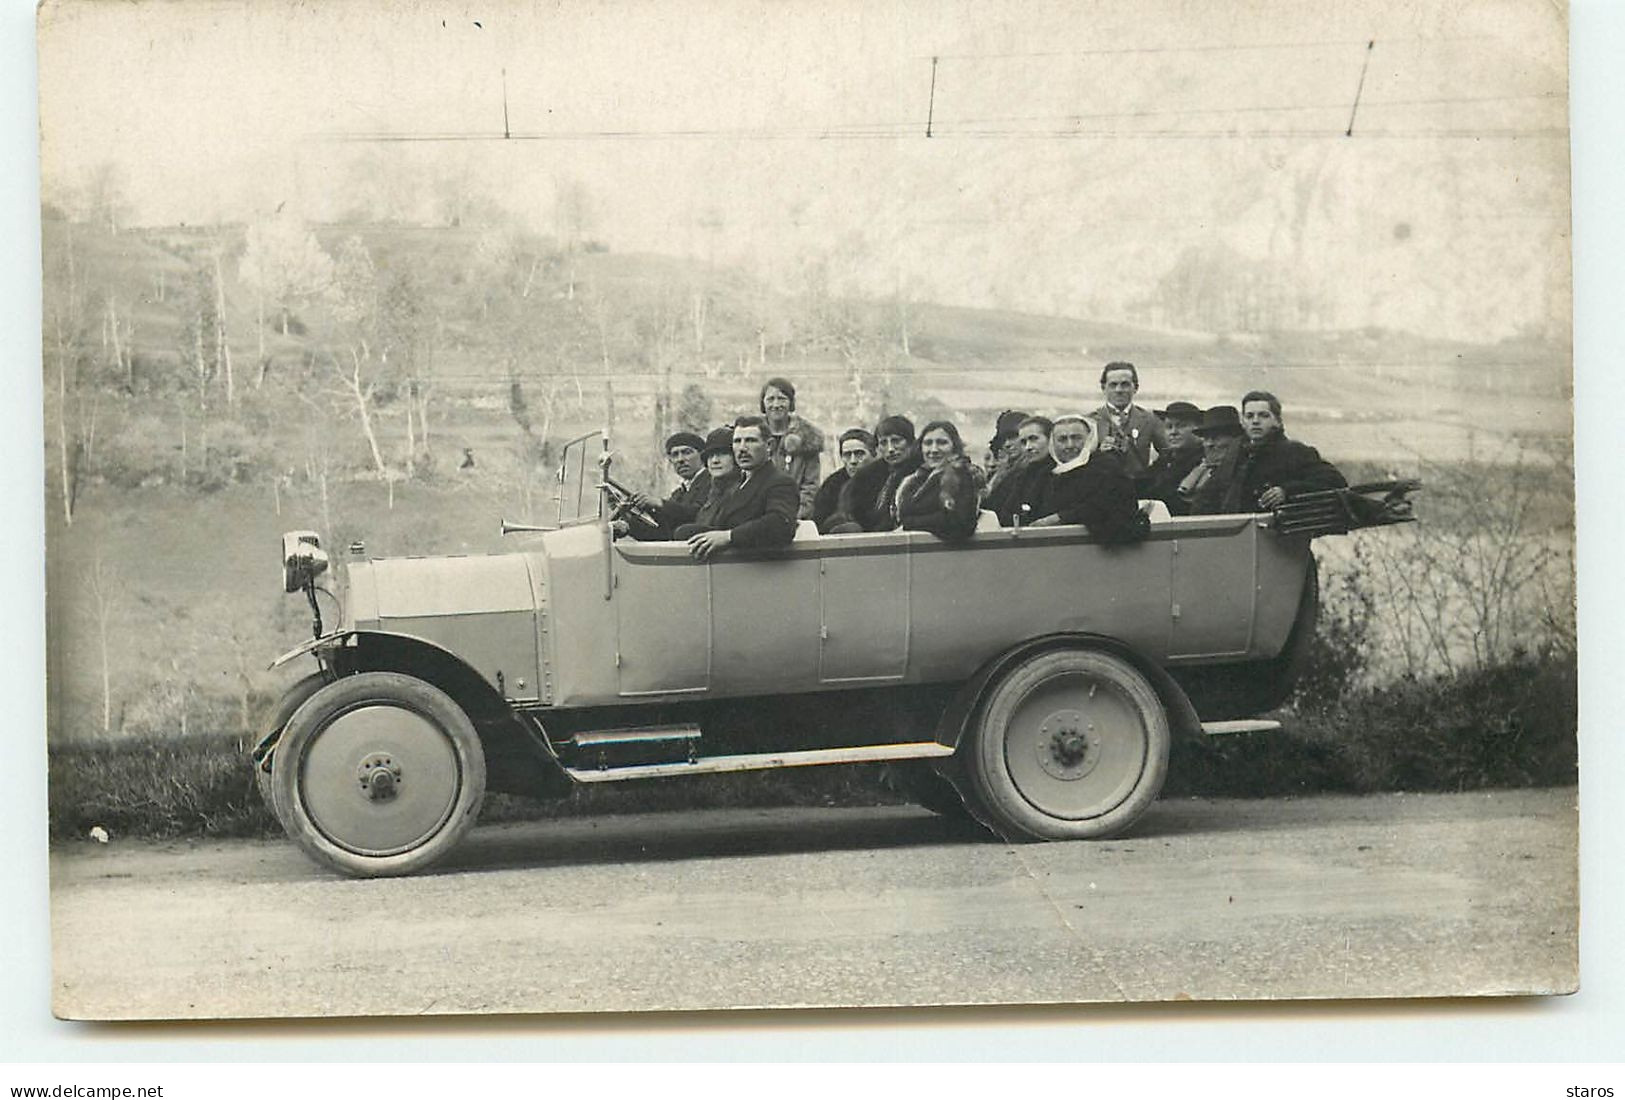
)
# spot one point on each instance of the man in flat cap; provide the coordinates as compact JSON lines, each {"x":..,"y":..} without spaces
{"x":683,"y":454}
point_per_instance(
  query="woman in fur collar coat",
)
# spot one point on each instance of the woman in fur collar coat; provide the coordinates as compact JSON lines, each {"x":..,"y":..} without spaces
{"x":942,"y":495}
{"x":795,"y":444}
{"x":868,"y":498}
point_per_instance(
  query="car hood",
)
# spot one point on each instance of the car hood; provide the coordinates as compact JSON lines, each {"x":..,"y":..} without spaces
{"x":416,"y":588}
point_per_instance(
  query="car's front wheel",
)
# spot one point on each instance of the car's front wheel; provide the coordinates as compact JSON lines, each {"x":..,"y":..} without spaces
{"x":274,"y":722}
{"x":1071,"y":744}
{"x":378,"y":774}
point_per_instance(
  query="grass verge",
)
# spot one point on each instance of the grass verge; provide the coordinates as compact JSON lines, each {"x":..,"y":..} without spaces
{"x":1508,"y":726}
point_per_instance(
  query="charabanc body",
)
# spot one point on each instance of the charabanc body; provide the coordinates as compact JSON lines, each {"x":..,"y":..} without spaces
{"x":1032,"y":677}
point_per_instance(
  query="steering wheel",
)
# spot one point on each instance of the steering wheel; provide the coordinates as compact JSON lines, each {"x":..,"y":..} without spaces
{"x":622,"y":505}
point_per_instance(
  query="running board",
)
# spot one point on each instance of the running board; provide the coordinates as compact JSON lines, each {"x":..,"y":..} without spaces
{"x":862,"y":754}
{"x":1242,"y":725}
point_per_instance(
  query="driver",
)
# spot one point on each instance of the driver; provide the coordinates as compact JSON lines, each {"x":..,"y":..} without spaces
{"x":758,"y":512}
{"x":683,"y":454}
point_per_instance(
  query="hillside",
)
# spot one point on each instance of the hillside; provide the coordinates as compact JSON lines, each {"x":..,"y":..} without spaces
{"x":485,"y":309}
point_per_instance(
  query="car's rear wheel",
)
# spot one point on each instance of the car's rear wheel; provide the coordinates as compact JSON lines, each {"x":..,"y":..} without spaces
{"x":378,"y":774}
{"x":1071,"y":744}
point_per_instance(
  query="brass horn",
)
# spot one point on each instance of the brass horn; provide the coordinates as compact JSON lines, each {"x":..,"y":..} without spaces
{"x":510,"y":528}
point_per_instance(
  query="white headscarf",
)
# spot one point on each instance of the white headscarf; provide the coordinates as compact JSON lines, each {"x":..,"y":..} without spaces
{"x":1088,"y":444}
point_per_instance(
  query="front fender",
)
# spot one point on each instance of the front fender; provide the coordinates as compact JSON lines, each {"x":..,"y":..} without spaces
{"x":517,"y":759}
{"x":315,"y":645}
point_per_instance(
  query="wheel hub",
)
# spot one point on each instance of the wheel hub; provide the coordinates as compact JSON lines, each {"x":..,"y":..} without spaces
{"x":1068,"y":746}
{"x":379,"y":777}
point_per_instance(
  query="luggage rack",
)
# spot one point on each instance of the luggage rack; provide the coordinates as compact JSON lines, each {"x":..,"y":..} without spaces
{"x":1339,"y":511}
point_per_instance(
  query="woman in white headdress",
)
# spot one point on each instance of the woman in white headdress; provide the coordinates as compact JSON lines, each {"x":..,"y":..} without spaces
{"x":1087,"y":486}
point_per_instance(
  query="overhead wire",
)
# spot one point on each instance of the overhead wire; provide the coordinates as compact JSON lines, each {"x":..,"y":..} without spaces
{"x":932,"y":127}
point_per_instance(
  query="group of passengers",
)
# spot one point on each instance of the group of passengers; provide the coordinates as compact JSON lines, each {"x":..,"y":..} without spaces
{"x":748,"y":484}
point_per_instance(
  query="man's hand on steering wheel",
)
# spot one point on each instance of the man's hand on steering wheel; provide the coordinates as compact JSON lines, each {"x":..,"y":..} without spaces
{"x":625,"y":503}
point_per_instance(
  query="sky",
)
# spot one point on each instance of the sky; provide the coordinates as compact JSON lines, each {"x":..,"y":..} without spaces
{"x":1077,"y":151}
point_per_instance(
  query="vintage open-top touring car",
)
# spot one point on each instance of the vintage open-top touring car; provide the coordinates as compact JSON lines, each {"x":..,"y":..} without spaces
{"x":1033,"y":678}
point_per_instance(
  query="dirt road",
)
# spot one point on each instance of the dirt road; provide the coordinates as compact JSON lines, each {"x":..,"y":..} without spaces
{"x":1340,"y":897}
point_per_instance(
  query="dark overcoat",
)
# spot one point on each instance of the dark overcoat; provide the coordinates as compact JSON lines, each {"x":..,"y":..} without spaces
{"x":679,"y":508}
{"x":760,"y":513}
{"x":1278,"y":461}
{"x":1098,"y":495}
{"x":868,"y":496}
{"x":1029,"y":492}
{"x":827,"y":502}
{"x":1161,"y":481}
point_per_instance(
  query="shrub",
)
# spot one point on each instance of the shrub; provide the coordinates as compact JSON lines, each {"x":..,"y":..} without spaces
{"x":1508,"y":725}
{"x":1340,"y":651}
{"x":155,"y":787}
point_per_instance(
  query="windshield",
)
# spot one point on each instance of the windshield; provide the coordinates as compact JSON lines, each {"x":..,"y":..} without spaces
{"x":579,"y":497}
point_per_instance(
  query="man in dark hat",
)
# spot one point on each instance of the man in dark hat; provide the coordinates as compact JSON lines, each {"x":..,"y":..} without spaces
{"x":683,"y":454}
{"x":1161,"y":481}
{"x":1033,"y":435}
{"x":757,"y":512}
{"x":1202,"y":491}
{"x":1006,"y":462}
{"x":1274,"y":469}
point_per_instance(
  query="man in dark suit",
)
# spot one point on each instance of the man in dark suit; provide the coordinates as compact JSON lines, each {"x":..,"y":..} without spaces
{"x":1273,"y":468}
{"x":683,"y":453}
{"x":759,"y":512}
{"x":1123,"y":427}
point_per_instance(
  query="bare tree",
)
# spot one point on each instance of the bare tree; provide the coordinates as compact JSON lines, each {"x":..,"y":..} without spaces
{"x":572,"y":221}
{"x":406,"y":355}
{"x":658,"y":324}
{"x":282,"y":263}
{"x":65,"y":348}
{"x":199,"y":340}
{"x":104,"y":199}
{"x":102,"y":584}
{"x":222,"y":344}
{"x":355,"y":297}
{"x":121,"y":333}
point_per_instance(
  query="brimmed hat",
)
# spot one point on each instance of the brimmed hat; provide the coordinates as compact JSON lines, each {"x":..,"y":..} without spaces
{"x":1006,"y":427}
{"x":1183,"y":411}
{"x":685,"y":439}
{"x":720,"y":439}
{"x":1221,"y":420}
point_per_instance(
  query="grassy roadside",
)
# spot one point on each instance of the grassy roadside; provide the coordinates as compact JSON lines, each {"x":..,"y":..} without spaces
{"x":1508,"y":726}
